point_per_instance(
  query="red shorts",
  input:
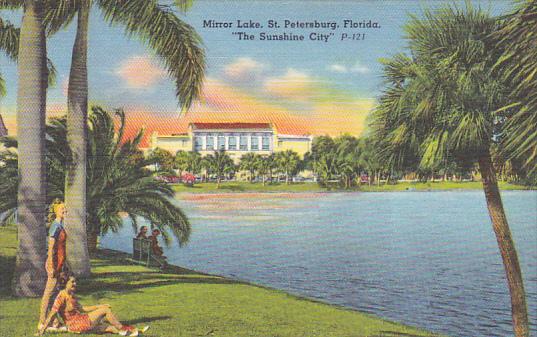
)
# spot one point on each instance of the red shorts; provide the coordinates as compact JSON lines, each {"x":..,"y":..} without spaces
{"x":78,"y":323}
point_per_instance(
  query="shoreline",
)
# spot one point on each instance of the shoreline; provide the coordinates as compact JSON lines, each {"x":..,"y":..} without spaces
{"x":234,"y":187}
{"x":184,"y":302}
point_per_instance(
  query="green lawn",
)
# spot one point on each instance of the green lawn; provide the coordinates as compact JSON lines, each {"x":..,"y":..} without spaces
{"x":243,"y":186}
{"x":186,"y":303}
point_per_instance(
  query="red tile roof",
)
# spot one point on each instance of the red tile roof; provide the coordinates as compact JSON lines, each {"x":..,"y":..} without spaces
{"x":206,"y":126}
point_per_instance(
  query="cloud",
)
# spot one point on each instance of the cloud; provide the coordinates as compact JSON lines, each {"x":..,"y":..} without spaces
{"x":360,"y":68}
{"x":294,"y":85}
{"x":244,"y":69}
{"x":342,"y":69}
{"x":337,"y":68}
{"x":140,"y":72}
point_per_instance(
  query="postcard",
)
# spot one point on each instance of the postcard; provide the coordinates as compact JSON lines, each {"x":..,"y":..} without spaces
{"x":268,"y":168}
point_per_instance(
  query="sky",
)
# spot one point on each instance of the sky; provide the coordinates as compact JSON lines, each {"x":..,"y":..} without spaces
{"x":306,"y":87}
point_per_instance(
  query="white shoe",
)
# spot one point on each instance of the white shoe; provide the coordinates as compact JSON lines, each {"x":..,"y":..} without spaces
{"x":134,"y":333}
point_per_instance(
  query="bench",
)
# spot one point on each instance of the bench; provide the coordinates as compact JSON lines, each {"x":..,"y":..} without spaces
{"x":143,"y":254}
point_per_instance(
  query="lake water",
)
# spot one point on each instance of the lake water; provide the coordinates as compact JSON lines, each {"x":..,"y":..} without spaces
{"x":427,"y":259}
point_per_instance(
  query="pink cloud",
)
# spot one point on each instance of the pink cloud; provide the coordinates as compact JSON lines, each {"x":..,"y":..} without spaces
{"x":244,"y":69}
{"x":140,"y":72}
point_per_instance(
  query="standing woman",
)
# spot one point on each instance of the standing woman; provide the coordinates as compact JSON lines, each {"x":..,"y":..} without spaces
{"x":56,"y":255}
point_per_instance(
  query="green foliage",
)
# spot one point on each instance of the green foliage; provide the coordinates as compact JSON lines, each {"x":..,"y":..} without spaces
{"x":518,"y":65}
{"x":288,"y":162}
{"x":117,"y":179}
{"x":162,"y":159}
{"x":248,"y":163}
{"x":219,"y":164}
{"x":439,"y":104}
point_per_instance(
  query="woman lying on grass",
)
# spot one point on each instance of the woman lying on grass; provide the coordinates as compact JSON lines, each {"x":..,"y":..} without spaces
{"x":82,"y":319}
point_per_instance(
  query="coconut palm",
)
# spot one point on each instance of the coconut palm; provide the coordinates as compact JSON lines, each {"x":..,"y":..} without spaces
{"x":9,"y":45}
{"x":248,"y":163}
{"x":117,"y":179}
{"x":288,"y":163}
{"x":440,"y":104}
{"x":176,"y":44}
{"x":263,"y":165}
{"x":219,"y":164}
{"x":180,"y":161}
{"x":323,"y":158}
{"x":29,"y":278}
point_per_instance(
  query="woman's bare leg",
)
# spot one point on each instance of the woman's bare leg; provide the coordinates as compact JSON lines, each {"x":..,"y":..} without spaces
{"x":45,"y":300}
{"x":97,"y":316}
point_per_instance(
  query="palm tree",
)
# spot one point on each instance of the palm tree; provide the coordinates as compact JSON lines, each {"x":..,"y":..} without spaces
{"x":323,"y":158}
{"x":9,"y":45}
{"x":219,"y":164}
{"x":518,"y":64}
{"x":162,"y":159}
{"x":180,"y":161}
{"x":118,"y":180}
{"x":249,"y":163}
{"x":288,"y":161}
{"x":263,"y":166}
{"x":29,"y":278}
{"x":194,"y":162}
{"x":347,"y":159}
{"x":440,"y":105}
{"x":177,"y":45}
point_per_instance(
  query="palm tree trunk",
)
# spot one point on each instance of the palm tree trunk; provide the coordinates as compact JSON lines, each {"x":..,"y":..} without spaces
{"x":75,"y":177}
{"x":92,"y":242}
{"x":287,"y":177}
{"x":506,"y":246}
{"x":30,"y":277}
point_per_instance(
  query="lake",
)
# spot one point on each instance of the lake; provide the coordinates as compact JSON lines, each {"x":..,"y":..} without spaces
{"x":427,"y":259}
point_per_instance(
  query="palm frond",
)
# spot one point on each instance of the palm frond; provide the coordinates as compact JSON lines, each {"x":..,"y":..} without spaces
{"x":176,"y":43}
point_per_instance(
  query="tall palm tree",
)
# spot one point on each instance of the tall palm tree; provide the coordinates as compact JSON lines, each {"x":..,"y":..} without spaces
{"x":194,"y":162}
{"x":288,"y":161}
{"x":177,"y":45}
{"x":29,"y":278}
{"x":263,"y":166}
{"x":219,"y":164}
{"x":9,"y":45}
{"x":440,"y":104}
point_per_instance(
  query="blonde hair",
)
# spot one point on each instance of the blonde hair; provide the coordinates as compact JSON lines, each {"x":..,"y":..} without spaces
{"x":52,"y":211}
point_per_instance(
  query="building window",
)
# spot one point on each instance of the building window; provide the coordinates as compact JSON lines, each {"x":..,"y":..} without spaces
{"x":210,"y":142}
{"x":265,"y":143}
{"x":198,"y":143}
{"x":221,"y":143}
{"x":243,"y":143}
{"x":255,"y":143}
{"x":232,"y":143}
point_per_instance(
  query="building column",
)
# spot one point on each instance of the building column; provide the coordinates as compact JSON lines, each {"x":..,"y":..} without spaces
{"x":226,"y":142}
{"x":260,"y":143}
{"x":204,"y":146}
{"x":215,"y":143}
{"x":249,"y":138}
{"x":238,"y":142}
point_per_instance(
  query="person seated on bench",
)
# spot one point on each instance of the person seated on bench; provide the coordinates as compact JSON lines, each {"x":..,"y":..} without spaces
{"x":143,"y":233}
{"x":155,"y":247}
{"x":86,"y":319}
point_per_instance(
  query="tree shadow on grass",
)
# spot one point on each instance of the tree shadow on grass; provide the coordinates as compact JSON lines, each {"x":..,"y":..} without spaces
{"x":146,"y":320}
{"x":233,"y":188}
{"x":8,"y":267}
{"x":397,"y":334}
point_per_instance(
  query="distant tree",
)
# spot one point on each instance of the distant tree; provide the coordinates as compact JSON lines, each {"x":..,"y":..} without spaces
{"x":180,"y":162}
{"x":348,"y":165}
{"x":248,"y":162}
{"x":263,"y":166}
{"x":288,"y":163}
{"x":194,"y":162}
{"x":162,"y":159}
{"x":323,"y":158}
{"x":219,"y":164}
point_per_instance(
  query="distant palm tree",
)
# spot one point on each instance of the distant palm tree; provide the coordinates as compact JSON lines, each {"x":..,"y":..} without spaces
{"x":180,"y":161}
{"x":162,"y":159}
{"x":263,"y":165}
{"x":194,"y":162}
{"x":117,"y":179}
{"x":219,"y":164}
{"x":177,"y":45}
{"x":288,"y":162}
{"x":9,"y":45}
{"x":248,"y":163}
{"x":440,"y":105}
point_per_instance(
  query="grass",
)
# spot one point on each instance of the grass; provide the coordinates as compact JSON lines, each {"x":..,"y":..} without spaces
{"x":243,"y":186}
{"x":182,"y":302}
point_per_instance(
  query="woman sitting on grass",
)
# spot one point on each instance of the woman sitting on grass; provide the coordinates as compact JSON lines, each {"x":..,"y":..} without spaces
{"x":82,"y":319}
